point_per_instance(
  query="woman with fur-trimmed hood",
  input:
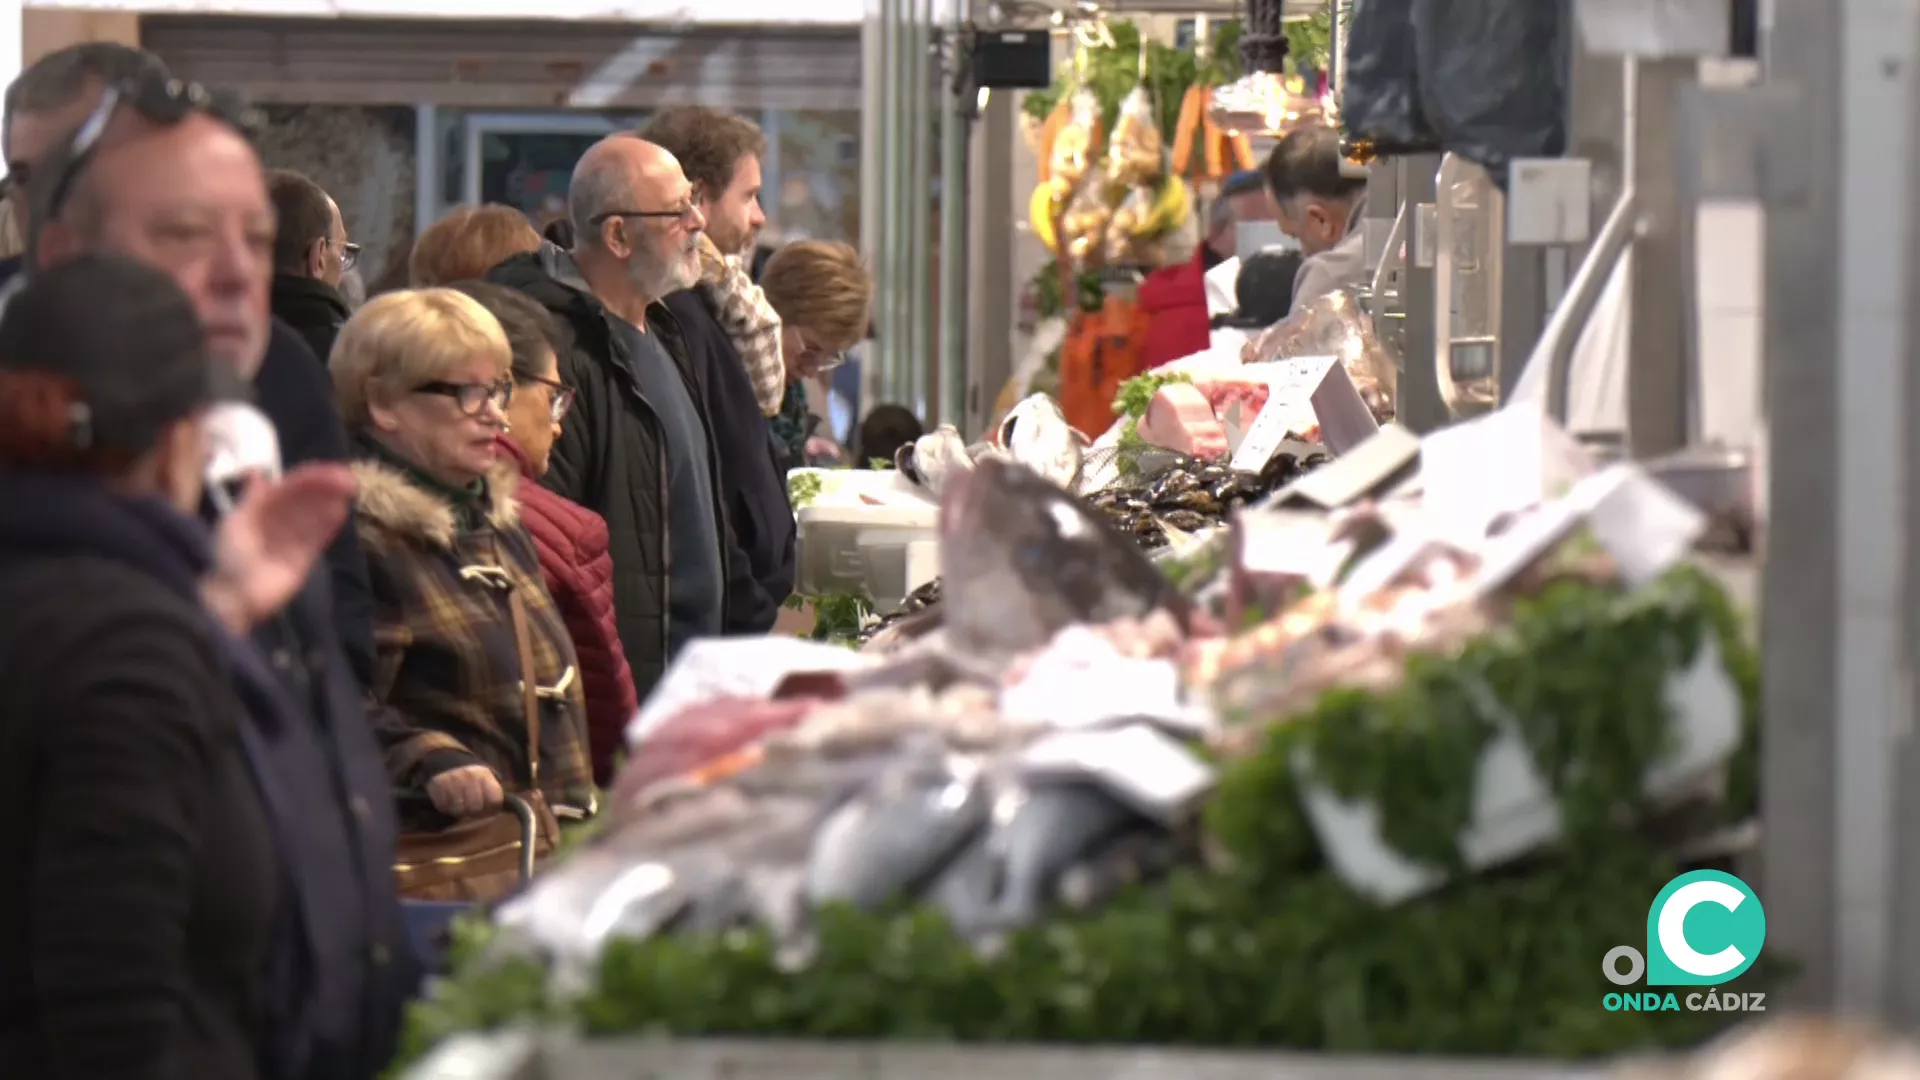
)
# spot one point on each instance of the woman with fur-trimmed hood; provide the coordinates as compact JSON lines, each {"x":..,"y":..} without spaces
{"x":423,"y":380}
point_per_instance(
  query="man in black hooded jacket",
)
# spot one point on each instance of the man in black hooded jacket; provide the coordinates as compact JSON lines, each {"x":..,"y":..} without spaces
{"x":637,"y":445}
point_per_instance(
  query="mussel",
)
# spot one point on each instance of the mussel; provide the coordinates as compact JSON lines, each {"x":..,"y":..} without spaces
{"x":1170,"y":484}
{"x":1199,"y":500}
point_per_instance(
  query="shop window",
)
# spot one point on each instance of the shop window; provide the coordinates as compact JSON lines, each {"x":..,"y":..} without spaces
{"x":810,"y":175}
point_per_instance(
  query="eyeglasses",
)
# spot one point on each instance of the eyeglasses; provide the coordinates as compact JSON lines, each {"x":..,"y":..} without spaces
{"x":472,"y":397}
{"x":687,"y":215}
{"x":562,"y":393}
{"x":817,"y":359}
{"x":159,"y":100}
{"x":349,"y":256}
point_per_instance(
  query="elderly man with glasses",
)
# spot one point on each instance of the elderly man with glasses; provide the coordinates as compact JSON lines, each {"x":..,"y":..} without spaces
{"x":638,"y":447}
{"x":213,"y":240}
{"x":164,"y":172}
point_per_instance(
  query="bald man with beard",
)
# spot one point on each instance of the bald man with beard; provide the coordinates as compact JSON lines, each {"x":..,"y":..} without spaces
{"x":170,"y":183}
{"x":637,"y":447}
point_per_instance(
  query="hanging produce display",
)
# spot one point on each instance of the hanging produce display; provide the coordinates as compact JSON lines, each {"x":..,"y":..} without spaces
{"x":1107,"y":135}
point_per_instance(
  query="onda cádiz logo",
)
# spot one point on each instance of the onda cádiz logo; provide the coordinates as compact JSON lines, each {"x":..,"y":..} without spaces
{"x":1704,"y":928}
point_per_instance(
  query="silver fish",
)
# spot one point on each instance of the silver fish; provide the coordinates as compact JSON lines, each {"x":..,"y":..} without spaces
{"x":889,"y":840}
{"x":1010,"y":876}
{"x":1038,"y":436}
{"x":1020,"y":559}
{"x":933,"y":459}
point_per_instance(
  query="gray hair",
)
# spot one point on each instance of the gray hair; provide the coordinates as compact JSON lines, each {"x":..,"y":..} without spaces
{"x":596,"y":188}
{"x":59,"y":78}
{"x":1220,"y":214}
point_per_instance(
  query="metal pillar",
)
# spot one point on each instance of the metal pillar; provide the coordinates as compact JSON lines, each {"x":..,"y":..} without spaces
{"x":993,"y":286}
{"x":1903,"y":879}
{"x":955,"y":119}
{"x":1420,"y":407}
{"x":880,"y":153}
{"x":1658,"y":387}
{"x":916,"y":206}
{"x":429,"y":181}
{"x":1837,"y":672}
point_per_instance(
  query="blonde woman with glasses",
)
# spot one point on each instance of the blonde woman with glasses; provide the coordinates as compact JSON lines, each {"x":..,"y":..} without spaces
{"x":476,"y":697}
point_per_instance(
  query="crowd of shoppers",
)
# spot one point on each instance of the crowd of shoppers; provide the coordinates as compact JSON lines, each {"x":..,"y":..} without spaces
{"x":301,"y":600}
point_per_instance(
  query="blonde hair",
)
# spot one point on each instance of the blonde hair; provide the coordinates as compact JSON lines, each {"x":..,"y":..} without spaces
{"x":467,"y":243}
{"x":11,"y":242}
{"x":402,"y":339}
{"x":821,"y":286}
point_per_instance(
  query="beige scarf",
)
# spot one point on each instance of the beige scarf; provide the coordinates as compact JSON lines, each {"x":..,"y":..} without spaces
{"x":750,"y":322}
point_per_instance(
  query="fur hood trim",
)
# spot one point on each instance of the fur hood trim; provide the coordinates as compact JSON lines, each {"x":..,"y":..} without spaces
{"x":391,"y":501}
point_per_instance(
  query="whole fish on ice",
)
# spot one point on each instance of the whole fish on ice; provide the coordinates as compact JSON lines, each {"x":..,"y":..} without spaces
{"x":1020,"y":559}
{"x":1038,"y":436}
{"x":933,"y":459}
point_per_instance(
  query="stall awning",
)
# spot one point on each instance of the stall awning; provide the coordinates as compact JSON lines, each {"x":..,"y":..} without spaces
{"x":511,"y":65}
{"x":731,"y":13}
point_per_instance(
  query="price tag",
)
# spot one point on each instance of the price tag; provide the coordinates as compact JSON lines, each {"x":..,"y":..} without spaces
{"x":1301,"y":372}
{"x":1262,"y":437}
{"x":1345,"y":420}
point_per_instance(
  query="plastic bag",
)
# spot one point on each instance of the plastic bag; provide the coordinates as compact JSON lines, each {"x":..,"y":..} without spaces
{"x":1083,"y":228}
{"x":1492,"y":78}
{"x":1381,"y":101}
{"x":1334,"y":325}
{"x":1075,"y":143}
{"x":1135,"y":153}
{"x":1130,"y":236}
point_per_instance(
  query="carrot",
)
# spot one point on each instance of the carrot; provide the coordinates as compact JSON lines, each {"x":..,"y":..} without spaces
{"x":1183,"y":130}
{"x":1243,"y":151}
{"x":1050,"y":130}
{"x":1213,"y":136}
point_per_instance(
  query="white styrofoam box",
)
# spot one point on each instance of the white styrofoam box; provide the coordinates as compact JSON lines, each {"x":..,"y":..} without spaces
{"x":884,"y":551}
{"x":1514,"y":812}
{"x":864,"y":487}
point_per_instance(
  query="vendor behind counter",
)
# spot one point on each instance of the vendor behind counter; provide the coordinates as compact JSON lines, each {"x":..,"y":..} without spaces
{"x":1174,"y":298}
{"x":1320,"y":207}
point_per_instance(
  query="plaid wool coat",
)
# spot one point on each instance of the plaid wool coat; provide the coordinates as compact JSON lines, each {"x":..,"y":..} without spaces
{"x":446,"y":689}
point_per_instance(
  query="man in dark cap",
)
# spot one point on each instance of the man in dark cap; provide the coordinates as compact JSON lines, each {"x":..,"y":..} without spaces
{"x":139,"y":931}
{"x":164,"y":172}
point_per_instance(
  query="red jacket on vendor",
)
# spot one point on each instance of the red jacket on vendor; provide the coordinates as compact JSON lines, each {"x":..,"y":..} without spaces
{"x":1174,"y":298}
{"x":1175,"y":301}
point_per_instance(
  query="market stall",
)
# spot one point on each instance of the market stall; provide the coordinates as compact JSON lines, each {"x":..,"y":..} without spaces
{"x":1234,"y":714}
{"x":1424,"y":726}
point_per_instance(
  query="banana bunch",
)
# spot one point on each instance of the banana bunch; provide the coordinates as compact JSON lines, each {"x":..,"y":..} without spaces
{"x":1142,"y":214}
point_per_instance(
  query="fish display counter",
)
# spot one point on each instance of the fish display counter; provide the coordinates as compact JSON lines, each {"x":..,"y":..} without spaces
{"x":1384,"y":757}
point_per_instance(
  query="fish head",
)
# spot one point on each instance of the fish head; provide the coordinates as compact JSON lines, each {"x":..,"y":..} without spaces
{"x":1036,"y":434}
{"x":1020,"y":559}
{"x":934,"y":458}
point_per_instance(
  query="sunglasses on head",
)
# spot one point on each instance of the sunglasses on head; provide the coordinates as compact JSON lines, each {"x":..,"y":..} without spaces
{"x":158,"y":100}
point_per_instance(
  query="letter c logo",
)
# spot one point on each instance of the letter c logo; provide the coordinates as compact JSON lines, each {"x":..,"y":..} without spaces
{"x":1673,"y":932}
{"x":1733,"y":920}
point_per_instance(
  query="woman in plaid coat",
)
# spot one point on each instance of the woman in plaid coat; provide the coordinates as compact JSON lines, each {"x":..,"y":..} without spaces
{"x":423,"y":379}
